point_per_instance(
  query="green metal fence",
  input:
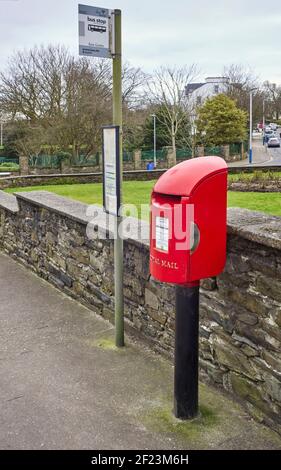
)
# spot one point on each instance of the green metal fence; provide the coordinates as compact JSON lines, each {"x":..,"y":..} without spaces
{"x":94,"y":160}
{"x":86,"y":160}
{"x":246,"y":146}
{"x":148,"y":155}
{"x":213,"y":151}
{"x":235,"y":149}
{"x":54,"y":161}
{"x":184,"y":154}
{"x":44,"y":161}
{"x":128,"y":157}
{"x":9,"y":160}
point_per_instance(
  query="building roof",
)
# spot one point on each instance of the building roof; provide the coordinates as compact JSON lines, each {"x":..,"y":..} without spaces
{"x":192,"y":87}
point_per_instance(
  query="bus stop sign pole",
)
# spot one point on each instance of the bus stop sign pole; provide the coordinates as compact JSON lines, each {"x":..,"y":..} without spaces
{"x":117,"y":121}
{"x":100,"y":36}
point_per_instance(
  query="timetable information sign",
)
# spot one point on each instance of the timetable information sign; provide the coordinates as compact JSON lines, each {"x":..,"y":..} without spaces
{"x":162,"y":234}
{"x":94,"y":31}
{"x":111,"y":170}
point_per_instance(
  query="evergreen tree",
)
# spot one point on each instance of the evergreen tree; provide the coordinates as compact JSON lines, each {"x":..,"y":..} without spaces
{"x":221,"y":122}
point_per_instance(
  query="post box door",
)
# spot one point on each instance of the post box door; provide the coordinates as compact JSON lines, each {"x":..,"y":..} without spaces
{"x":170,"y":244}
{"x":210,"y":213}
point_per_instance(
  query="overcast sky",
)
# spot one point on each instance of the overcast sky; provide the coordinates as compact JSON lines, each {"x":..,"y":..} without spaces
{"x":211,"y":33}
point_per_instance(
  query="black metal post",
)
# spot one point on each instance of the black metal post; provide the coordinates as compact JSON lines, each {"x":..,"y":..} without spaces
{"x":186,"y":352}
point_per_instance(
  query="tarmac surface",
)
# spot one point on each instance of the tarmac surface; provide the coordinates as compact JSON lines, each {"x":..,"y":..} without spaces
{"x":63,"y":385}
{"x":261,"y":155}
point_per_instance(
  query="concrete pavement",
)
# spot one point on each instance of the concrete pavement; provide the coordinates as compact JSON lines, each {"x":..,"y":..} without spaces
{"x":63,"y":385}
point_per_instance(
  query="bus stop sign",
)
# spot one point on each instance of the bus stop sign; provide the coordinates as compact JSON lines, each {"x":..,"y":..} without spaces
{"x":95,"y":31}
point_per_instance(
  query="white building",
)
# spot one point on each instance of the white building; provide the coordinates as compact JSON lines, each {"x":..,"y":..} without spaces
{"x":197,"y":93}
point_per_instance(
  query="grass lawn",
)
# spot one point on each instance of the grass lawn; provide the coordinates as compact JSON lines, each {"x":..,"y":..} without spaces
{"x":138,"y":192}
{"x":262,"y":202}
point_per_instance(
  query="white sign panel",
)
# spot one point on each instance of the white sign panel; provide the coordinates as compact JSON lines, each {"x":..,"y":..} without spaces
{"x":94,"y":31}
{"x":111,"y":170}
{"x":162,"y":234}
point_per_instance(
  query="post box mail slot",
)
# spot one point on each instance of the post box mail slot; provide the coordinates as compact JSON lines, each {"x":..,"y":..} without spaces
{"x":188,"y":221}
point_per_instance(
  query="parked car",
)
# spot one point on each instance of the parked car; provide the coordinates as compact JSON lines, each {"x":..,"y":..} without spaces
{"x":273,"y":142}
{"x":269,"y":133}
{"x":273,"y":126}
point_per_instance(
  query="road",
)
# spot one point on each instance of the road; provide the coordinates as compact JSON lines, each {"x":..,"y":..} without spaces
{"x":274,"y":153}
{"x":262,"y":155}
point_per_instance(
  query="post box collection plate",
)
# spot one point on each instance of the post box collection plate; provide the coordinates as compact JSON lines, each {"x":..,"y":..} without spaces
{"x":162,"y":234}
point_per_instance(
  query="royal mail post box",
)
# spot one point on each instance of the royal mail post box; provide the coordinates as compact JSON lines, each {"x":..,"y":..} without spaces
{"x":188,"y":221}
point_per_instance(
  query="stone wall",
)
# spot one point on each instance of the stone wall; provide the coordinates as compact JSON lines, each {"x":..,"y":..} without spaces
{"x":240,"y":319}
{"x":262,"y":185}
{"x":74,"y":170}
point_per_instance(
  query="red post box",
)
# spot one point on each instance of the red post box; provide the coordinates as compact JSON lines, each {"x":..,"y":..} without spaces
{"x":188,"y":243}
{"x":188,"y":221}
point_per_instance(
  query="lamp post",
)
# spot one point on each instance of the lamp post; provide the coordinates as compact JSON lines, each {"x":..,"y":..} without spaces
{"x":251,"y":126}
{"x":239,"y":86}
{"x":154,"y":138}
{"x":1,"y":134}
{"x":263,"y":121}
{"x":193,"y":133}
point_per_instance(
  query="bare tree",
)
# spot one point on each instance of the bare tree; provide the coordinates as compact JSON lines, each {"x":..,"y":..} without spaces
{"x":240,"y":81}
{"x":238,"y":73}
{"x":133,"y":82}
{"x":86,"y":106}
{"x":166,"y":91}
{"x":69,"y":99}
{"x":32,"y":86}
{"x":272,"y":96}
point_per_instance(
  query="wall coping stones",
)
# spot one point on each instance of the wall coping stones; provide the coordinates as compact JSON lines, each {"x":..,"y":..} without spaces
{"x":254,"y":226}
{"x":75,"y":210}
{"x":9,"y":202}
